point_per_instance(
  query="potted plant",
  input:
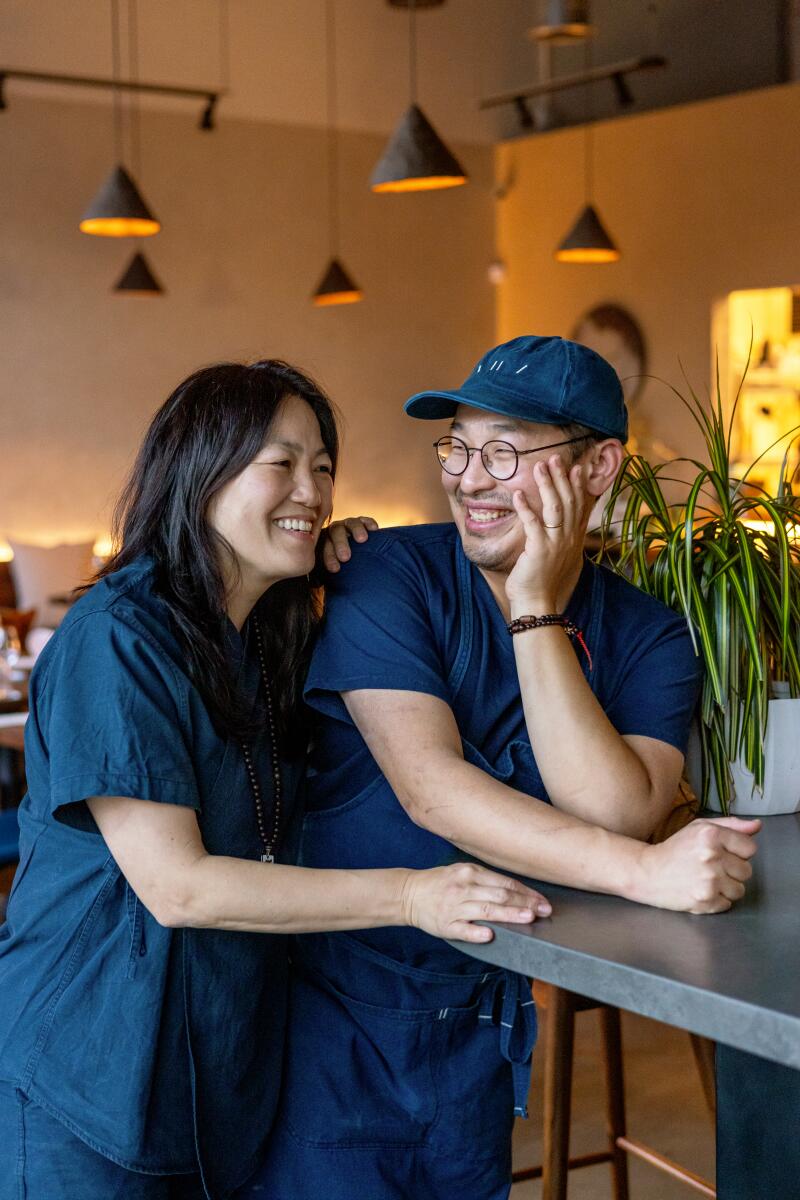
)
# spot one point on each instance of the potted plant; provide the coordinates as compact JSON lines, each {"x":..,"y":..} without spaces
{"x":727,"y":556}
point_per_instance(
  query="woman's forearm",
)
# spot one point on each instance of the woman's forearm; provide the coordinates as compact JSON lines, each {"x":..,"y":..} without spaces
{"x":230,"y":893}
{"x":160,"y":851}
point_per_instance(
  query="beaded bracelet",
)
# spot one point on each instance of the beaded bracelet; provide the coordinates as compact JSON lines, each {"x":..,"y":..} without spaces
{"x":520,"y":624}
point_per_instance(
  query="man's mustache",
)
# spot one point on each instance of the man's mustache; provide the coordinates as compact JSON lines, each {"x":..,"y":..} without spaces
{"x":491,"y":498}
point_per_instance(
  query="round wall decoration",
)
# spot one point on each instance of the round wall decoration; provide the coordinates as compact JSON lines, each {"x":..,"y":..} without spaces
{"x":615,"y":334}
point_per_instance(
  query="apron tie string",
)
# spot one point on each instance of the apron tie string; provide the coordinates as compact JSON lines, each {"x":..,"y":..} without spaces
{"x":515,"y":1015}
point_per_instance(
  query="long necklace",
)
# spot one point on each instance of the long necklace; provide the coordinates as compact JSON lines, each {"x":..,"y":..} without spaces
{"x":270,"y":843}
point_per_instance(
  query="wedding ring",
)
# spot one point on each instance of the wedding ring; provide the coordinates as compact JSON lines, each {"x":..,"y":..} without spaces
{"x":558,"y":526}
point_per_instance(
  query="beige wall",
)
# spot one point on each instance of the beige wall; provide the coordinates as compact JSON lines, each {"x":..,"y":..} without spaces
{"x":243,"y":245}
{"x":701,"y":199}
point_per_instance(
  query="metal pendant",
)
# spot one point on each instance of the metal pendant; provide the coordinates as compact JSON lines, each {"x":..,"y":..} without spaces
{"x":268,"y":858}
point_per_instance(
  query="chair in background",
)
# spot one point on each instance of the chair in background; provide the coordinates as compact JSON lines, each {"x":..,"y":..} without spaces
{"x":561,"y":1006}
{"x":9,"y":854}
{"x":19,"y":619}
{"x":44,"y":576}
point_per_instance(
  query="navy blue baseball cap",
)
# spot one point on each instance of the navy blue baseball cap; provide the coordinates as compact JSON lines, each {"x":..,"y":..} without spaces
{"x":544,"y":379}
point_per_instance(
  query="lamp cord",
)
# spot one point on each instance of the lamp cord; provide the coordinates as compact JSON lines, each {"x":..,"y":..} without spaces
{"x":333,"y":156}
{"x":133,"y":66}
{"x":116,"y":99}
{"x":224,"y":46}
{"x":588,"y":132}
{"x":412,"y":51}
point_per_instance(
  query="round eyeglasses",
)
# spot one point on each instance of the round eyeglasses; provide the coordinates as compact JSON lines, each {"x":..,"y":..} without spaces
{"x":500,"y":459}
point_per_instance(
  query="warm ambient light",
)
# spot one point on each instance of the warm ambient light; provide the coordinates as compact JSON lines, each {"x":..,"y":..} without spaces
{"x":768,"y":527}
{"x":425,"y":183}
{"x":388,"y":516}
{"x":119,"y":227}
{"x":352,"y":297}
{"x":118,"y":210}
{"x":102,"y":547}
{"x":587,"y":254}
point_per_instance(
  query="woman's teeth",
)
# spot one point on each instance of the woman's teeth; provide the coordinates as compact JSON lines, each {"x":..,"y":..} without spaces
{"x":295,"y":523}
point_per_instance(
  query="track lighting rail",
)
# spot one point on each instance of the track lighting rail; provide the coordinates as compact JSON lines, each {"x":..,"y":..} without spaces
{"x":211,"y":96}
{"x":616,"y":72}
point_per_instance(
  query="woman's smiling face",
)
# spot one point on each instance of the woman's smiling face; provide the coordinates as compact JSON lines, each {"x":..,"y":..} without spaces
{"x":272,"y":512}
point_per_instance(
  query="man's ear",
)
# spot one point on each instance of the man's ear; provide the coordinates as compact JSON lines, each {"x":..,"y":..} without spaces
{"x":603,"y":461}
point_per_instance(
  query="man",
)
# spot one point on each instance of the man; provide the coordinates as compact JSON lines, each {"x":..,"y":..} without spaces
{"x":481,"y":686}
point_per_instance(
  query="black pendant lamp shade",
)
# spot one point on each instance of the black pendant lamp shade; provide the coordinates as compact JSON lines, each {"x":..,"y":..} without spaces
{"x":416,"y":159}
{"x":588,"y":241}
{"x":118,"y":210}
{"x":336,"y":287}
{"x":138,"y":277}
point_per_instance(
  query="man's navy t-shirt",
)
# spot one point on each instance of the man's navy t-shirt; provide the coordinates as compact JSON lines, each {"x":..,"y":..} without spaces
{"x":409,"y":612}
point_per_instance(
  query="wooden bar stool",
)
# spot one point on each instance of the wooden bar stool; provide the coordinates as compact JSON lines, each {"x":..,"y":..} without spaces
{"x":561,"y":1006}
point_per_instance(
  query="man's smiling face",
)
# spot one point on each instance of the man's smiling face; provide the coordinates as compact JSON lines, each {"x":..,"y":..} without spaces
{"x":482,"y":507}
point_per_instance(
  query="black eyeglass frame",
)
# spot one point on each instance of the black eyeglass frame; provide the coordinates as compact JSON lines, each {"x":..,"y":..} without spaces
{"x":497,"y":442}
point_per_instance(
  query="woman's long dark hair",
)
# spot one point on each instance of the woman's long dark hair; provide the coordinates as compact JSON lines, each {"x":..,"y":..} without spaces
{"x":209,"y":429}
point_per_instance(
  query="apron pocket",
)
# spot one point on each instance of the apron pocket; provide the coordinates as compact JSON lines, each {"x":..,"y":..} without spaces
{"x":357,"y":1074}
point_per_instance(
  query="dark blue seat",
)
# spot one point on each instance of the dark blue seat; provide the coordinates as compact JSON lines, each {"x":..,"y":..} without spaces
{"x":9,"y":837}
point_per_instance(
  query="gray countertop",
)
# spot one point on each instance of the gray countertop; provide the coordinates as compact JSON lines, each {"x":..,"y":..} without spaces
{"x":734,"y":977}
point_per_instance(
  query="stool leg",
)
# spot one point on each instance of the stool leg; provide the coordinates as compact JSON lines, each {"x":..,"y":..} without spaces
{"x":558,"y":1050}
{"x":704,"y":1055}
{"x":615,"y":1098}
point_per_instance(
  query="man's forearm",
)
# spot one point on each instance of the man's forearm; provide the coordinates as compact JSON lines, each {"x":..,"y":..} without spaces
{"x":415,"y":742}
{"x":585,"y":765}
{"x":508,"y":829}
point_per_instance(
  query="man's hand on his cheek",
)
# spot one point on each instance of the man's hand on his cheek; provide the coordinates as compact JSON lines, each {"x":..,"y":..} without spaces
{"x":553,"y":540}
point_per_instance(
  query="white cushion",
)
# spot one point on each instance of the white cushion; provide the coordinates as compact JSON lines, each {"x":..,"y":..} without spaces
{"x":41,"y":572}
{"x":36,"y":641}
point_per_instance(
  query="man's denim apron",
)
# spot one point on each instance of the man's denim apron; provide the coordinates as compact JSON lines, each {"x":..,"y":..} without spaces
{"x":401,"y":1081}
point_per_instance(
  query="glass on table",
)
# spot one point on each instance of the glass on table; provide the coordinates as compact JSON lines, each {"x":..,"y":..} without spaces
{"x":10,"y":654}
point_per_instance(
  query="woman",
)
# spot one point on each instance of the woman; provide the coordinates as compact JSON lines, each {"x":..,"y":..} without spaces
{"x":142,"y":1000}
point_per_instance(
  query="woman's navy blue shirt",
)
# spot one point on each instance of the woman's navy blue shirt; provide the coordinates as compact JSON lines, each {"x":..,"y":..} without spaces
{"x":159,"y":1047}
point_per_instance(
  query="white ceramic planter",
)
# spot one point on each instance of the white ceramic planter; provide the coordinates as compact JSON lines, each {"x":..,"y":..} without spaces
{"x":781,"y":793}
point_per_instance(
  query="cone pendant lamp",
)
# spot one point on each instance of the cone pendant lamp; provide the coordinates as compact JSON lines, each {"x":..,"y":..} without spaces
{"x":119,"y":210}
{"x":336,"y":286}
{"x":588,"y":241}
{"x":416,"y":159}
{"x":138,"y":277}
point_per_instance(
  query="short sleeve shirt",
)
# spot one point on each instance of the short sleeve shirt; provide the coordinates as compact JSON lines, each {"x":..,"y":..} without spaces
{"x":147,"y":1042}
{"x":410,"y":613}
